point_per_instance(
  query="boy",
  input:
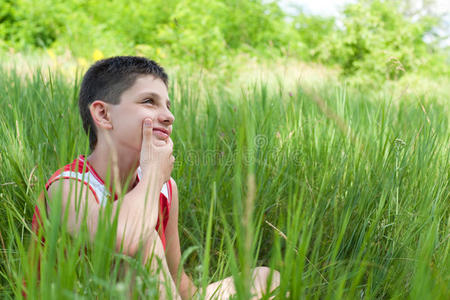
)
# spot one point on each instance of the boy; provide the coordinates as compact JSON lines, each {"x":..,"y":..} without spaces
{"x":125,"y":110}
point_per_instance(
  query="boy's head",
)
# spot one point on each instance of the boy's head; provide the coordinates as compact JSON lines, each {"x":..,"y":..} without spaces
{"x":107,"y":79}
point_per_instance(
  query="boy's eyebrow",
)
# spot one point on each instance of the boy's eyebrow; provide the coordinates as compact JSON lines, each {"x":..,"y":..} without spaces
{"x":155,"y":95}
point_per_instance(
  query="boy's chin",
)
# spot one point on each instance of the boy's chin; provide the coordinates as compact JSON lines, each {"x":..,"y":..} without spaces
{"x":160,"y":142}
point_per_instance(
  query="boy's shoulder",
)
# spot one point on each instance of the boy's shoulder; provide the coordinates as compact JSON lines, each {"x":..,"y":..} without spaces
{"x":82,"y":172}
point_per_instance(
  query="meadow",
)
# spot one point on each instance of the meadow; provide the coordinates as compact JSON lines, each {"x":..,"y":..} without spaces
{"x":343,"y":189}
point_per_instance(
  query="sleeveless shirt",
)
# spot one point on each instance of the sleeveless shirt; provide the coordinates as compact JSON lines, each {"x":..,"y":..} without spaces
{"x":82,"y":171}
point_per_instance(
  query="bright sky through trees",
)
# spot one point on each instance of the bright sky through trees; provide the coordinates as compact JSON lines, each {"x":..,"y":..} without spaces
{"x":333,"y":8}
{"x":319,"y":7}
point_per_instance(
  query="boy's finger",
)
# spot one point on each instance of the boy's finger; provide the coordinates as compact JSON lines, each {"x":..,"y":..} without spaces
{"x":146,"y":137}
{"x":147,"y":130}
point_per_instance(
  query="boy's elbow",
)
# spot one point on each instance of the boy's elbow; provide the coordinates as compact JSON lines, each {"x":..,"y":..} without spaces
{"x":126,"y":247}
{"x":130,"y":243}
{"x":127,"y":242}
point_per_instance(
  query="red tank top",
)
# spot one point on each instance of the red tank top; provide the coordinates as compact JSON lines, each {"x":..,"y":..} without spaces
{"x":81,"y":170}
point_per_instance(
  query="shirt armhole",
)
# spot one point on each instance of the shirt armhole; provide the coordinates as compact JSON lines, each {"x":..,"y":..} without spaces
{"x":77,"y":179}
{"x":169,"y":201}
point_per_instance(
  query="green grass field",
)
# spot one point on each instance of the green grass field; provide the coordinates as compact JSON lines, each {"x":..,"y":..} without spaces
{"x":344,"y":190}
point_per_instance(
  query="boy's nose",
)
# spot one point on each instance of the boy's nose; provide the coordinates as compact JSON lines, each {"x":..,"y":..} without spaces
{"x":167,"y":117}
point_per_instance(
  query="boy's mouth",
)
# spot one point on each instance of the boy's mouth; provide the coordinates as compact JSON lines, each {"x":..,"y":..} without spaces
{"x":161,"y":133}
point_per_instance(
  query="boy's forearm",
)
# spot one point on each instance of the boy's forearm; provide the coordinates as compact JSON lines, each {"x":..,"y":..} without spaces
{"x":155,"y":257}
{"x":137,"y":216}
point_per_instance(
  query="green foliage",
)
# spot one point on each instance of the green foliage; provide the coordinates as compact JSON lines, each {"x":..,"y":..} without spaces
{"x":313,"y":32}
{"x":30,"y":24}
{"x":187,"y":31}
{"x":373,"y":40}
{"x":378,"y":42}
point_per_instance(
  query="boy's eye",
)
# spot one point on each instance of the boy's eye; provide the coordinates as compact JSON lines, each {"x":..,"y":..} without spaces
{"x":149,"y":100}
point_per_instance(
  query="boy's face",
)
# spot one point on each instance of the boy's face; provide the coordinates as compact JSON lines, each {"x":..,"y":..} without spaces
{"x":146,"y":98}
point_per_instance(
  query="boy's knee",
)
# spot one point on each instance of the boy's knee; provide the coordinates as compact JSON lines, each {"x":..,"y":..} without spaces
{"x":261,"y":283}
{"x":262,"y":275}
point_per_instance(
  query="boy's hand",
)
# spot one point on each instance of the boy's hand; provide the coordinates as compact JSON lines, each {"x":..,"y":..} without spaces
{"x":156,"y":159}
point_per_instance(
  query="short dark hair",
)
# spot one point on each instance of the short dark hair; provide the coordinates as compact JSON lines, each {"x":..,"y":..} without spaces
{"x":107,"y":79}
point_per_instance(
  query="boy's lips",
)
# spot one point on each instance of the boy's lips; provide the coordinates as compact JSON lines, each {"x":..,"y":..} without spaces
{"x":161,"y":132}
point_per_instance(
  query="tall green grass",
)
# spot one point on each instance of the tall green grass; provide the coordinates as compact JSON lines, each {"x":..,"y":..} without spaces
{"x":344,"y":191}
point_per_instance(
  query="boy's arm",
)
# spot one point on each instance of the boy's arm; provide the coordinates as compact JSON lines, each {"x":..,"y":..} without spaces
{"x":77,"y":204}
{"x":185,"y":285}
{"x":133,"y":227}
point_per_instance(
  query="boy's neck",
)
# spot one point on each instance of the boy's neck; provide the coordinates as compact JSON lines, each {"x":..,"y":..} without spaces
{"x":103,"y":162}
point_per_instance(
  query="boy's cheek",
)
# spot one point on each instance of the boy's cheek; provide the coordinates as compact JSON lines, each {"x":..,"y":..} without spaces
{"x":130,"y":136}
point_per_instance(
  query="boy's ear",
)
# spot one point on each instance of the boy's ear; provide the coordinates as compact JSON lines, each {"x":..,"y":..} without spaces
{"x":100,"y":114}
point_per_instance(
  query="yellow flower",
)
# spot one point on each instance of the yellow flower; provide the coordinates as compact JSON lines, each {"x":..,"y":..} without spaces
{"x":51,"y":54}
{"x":97,"y":55}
